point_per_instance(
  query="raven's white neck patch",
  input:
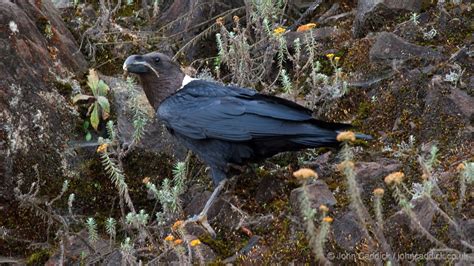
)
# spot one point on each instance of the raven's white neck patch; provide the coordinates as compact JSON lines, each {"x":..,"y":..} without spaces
{"x":186,"y":80}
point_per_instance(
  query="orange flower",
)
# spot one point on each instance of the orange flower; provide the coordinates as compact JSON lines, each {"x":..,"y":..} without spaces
{"x":379,"y":192}
{"x":394,"y":178}
{"x":279,"y":31}
{"x":220,"y":21}
{"x":236,"y":19}
{"x":323,"y":208}
{"x":345,"y":164}
{"x":306,"y":27}
{"x":177,"y":225}
{"x":305,"y":173}
{"x":178,"y":242}
{"x":461,"y":167}
{"x":169,"y":238}
{"x":195,"y":242}
{"x":102,"y":148}
{"x":346,"y":136}
{"x":328,"y":219}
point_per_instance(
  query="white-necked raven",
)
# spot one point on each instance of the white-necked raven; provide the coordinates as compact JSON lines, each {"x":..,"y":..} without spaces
{"x":226,"y":125}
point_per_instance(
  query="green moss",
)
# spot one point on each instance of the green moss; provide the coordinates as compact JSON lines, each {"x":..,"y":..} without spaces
{"x":222,"y":247}
{"x":128,"y":10}
{"x":364,"y":110}
{"x":39,"y":257}
{"x":63,"y":88}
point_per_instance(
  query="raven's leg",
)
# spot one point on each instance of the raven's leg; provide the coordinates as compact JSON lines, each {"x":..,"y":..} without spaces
{"x":202,"y":217}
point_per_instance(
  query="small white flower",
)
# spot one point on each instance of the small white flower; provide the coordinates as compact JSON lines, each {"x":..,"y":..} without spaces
{"x":13,"y":27}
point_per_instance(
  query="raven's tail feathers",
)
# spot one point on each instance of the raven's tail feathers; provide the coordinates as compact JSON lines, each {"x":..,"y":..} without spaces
{"x":363,"y":136}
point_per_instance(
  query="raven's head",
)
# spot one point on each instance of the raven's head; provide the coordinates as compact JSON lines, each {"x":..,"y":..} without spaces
{"x":160,"y":76}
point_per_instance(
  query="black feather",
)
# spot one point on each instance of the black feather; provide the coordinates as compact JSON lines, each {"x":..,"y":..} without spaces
{"x":225,"y":124}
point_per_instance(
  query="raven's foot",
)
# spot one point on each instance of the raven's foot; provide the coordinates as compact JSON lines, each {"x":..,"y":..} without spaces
{"x":202,"y":217}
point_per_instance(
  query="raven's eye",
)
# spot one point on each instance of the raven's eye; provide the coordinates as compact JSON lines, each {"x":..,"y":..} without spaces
{"x":156,"y":59}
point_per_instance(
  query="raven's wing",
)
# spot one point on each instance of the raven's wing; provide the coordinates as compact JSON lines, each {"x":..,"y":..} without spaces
{"x":204,"y":110}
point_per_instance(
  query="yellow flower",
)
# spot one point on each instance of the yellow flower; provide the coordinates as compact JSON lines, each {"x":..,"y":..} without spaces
{"x":178,"y":242}
{"x":330,"y":56}
{"x":306,"y":27}
{"x":195,"y":242}
{"x":305,"y":173}
{"x":102,"y":148}
{"x":177,"y":225}
{"x":345,"y":164}
{"x":379,"y":192}
{"x":323,"y":208}
{"x":328,"y":219}
{"x":346,"y":136}
{"x":169,"y":238}
{"x":279,"y":31}
{"x":394,"y":178}
{"x":337,"y":58}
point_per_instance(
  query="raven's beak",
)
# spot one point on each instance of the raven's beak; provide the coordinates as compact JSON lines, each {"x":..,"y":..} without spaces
{"x":135,"y":64}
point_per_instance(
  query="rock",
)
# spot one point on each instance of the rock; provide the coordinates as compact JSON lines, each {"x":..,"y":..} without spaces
{"x":268,"y":189}
{"x":156,"y":138}
{"x":221,"y":211}
{"x":389,"y":46}
{"x":370,"y":175}
{"x":347,"y":231}
{"x":201,"y":254}
{"x":464,"y":103}
{"x":458,"y":103}
{"x":372,"y":14}
{"x":318,"y":194}
{"x":322,"y":164}
{"x":424,"y":211}
{"x":61,"y":4}
{"x":114,"y":258}
{"x":35,"y":107}
{"x":74,"y":248}
{"x":319,"y":34}
{"x":197,"y":203}
{"x":400,"y":224}
{"x":468,"y":228}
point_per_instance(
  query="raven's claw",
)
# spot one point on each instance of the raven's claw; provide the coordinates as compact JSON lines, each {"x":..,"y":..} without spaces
{"x":202,"y":217}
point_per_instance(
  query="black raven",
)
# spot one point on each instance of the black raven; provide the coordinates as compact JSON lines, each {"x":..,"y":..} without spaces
{"x":227,"y":125}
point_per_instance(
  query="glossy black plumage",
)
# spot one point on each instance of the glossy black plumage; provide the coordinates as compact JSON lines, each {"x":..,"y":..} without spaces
{"x":225,"y":124}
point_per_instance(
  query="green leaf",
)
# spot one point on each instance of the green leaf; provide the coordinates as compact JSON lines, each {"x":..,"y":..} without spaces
{"x":86,"y":125}
{"x":104,"y":103}
{"x":95,"y":116}
{"x":88,"y":136}
{"x":81,"y":97}
{"x":103,"y":88}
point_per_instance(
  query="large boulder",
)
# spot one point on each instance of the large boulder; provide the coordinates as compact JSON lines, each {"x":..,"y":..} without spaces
{"x":372,"y":14}
{"x":38,"y":53}
{"x":389,"y":46}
